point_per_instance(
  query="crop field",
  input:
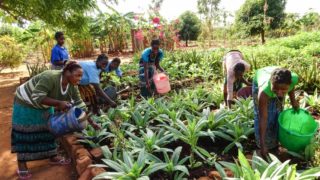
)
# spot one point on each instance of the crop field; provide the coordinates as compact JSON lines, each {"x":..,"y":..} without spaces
{"x":188,"y":132}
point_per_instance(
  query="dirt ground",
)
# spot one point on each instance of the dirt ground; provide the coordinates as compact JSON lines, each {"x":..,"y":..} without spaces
{"x":41,"y":170}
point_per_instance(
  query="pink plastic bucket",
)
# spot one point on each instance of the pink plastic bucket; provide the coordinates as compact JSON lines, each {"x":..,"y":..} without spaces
{"x":161,"y":81}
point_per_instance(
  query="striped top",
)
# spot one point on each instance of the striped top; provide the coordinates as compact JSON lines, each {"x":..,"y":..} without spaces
{"x":47,"y":84}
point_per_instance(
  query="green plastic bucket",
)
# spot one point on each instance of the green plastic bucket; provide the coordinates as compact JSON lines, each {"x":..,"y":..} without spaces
{"x":296,"y":129}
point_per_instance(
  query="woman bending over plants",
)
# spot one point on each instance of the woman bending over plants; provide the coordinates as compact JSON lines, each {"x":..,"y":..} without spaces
{"x":270,"y":85}
{"x":149,"y":63}
{"x":90,"y":89}
{"x":234,"y":68}
{"x":33,"y":103}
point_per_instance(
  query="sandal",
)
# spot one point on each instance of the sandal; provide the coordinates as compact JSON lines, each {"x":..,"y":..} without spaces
{"x":24,"y":174}
{"x":62,"y":161}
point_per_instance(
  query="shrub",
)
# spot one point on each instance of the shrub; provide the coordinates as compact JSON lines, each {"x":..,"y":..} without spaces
{"x":312,"y":49}
{"x":11,"y":53}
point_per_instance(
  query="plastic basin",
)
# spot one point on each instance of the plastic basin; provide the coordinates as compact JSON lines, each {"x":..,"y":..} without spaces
{"x":296,"y":129}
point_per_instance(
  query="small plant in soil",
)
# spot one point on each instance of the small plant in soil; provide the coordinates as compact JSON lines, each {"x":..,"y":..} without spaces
{"x":93,"y":137}
{"x":150,"y":141}
{"x":235,"y":133}
{"x":312,"y":102}
{"x":130,"y":167}
{"x":261,"y":169}
{"x":190,"y":135}
{"x":175,"y":168}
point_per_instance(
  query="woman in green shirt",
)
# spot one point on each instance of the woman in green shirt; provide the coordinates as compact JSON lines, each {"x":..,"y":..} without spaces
{"x":270,"y":85}
{"x":34,"y":102}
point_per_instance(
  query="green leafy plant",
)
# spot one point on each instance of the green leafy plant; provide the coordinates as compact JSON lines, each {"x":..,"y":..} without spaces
{"x":130,"y":168}
{"x":235,"y":133}
{"x":175,"y":167}
{"x":11,"y":53}
{"x":312,"y":101}
{"x":150,"y":141}
{"x":261,"y":169}
{"x":190,"y":135}
{"x":141,"y":118}
{"x":37,"y":68}
{"x":215,"y":119}
{"x":244,"y":109}
{"x":93,"y":137}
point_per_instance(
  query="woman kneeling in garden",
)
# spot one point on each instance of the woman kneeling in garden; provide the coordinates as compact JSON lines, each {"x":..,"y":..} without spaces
{"x":234,"y":68}
{"x":33,"y":103}
{"x":270,"y":85}
{"x":149,"y":63}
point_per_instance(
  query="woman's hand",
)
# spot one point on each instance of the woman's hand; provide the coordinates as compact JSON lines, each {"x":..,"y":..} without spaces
{"x":295,"y":106}
{"x":113,"y":104}
{"x":294,"y":102}
{"x":148,"y":86}
{"x":64,"y":105}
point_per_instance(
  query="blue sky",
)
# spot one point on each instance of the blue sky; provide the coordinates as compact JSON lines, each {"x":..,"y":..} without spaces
{"x":171,"y":9}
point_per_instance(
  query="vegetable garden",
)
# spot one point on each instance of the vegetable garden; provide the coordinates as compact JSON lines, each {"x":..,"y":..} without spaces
{"x":187,"y":133}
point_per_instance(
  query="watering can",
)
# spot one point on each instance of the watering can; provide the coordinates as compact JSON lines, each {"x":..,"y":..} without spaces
{"x":66,"y":122}
{"x":161,"y":82}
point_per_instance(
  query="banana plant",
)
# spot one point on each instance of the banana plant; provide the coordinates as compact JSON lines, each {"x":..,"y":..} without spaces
{"x":190,"y":135}
{"x":130,"y":168}
{"x":150,"y":141}
{"x":261,"y":169}
{"x":235,"y":133}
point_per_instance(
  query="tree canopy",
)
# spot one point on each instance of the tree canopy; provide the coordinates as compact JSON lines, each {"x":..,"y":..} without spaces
{"x":255,"y":16}
{"x":59,"y":13}
{"x":190,"y":26}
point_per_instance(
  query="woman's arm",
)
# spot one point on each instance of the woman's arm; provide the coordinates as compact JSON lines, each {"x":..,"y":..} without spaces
{"x":146,"y":73}
{"x":263,"y":117}
{"x":158,"y":66}
{"x":246,"y":82}
{"x":293,"y":100}
{"x":61,"y":105}
{"x":101,"y":93}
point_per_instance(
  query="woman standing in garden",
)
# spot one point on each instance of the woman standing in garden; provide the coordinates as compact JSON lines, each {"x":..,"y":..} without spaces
{"x":149,"y":63}
{"x":59,"y":54}
{"x":270,"y":85}
{"x":234,"y":68}
{"x":33,"y":103}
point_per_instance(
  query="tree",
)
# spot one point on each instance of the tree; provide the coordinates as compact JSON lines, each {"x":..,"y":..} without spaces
{"x":211,"y":12}
{"x":58,"y":13}
{"x":189,"y":26}
{"x":255,"y":16}
{"x":310,"y":19}
{"x":11,"y":53}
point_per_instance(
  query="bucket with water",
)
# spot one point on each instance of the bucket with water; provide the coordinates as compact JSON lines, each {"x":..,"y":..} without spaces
{"x":64,"y":123}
